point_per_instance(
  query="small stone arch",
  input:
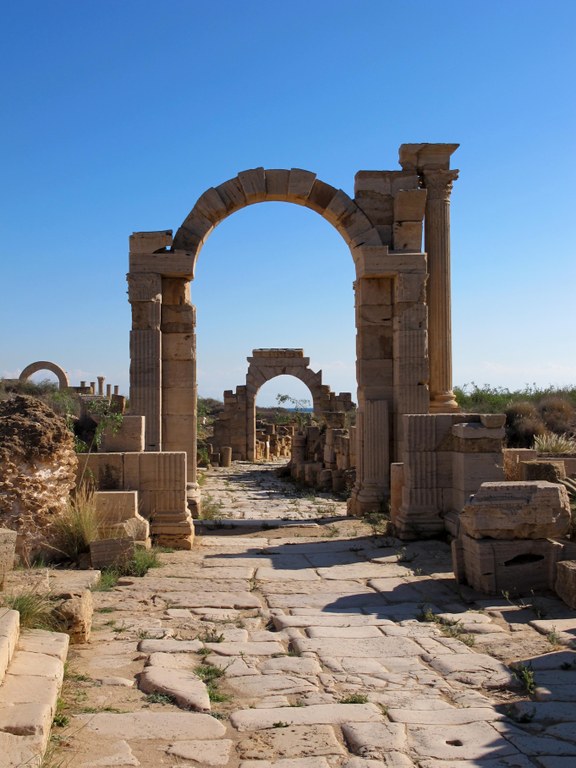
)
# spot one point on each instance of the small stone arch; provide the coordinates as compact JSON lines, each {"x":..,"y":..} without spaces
{"x":236,"y":426}
{"x":46,"y":365}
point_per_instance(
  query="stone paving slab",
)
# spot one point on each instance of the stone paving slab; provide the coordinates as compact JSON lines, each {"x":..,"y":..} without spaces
{"x":294,"y":741}
{"x":320,"y":714}
{"x":154,"y":725}
{"x":458,"y":742}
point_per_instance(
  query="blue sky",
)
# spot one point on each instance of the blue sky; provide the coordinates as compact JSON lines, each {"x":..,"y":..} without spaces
{"x":119,"y":114}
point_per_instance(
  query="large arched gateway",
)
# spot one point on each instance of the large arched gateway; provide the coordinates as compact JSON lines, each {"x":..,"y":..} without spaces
{"x":382,"y":227}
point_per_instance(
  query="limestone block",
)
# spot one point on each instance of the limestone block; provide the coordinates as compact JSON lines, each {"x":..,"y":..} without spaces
{"x":407,"y":236}
{"x":413,"y":399}
{"x":320,"y":196}
{"x":277,"y":184}
{"x":232,"y":195}
{"x":178,"y":318}
{"x":106,"y":553}
{"x":300,"y":183}
{"x":116,"y":506}
{"x":177,"y":346}
{"x":106,"y":469}
{"x":178,"y":379}
{"x":154,"y":502}
{"x":211,"y":205}
{"x":374,"y":291}
{"x":198,"y":224}
{"x":410,"y":288}
{"x":516,"y":567}
{"x":146,"y":315}
{"x":411,"y":345}
{"x":374,"y":181}
{"x":374,"y":343}
{"x":7,"y":552}
{"x":420,"y":469}
{"x":565,"y":585}
{"x":552,"y":471}
{"x":178,"y":430}
{"x":169,"y":264}
{"x":129,"y":436}
{"x":225,"y":456}
{"x":520,"y":510}
{"x":163,"y":471}
{"x":477,"y":431}
{"x":144,"y":288}
{"x":513,"y":457}
{"x":410,"y":205}
{"x":75,"y":614}
{"x":148,"y":242}
{"x":470,"y":470}
{"x":412,"y":372}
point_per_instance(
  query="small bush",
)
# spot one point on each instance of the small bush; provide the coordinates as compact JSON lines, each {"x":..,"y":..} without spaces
{"x":550,"y":442}
{"x":79,"y":525}
{"x":35,"y":609}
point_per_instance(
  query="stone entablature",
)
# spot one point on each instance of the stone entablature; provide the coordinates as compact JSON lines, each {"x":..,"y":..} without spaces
{"x":383,"y":227}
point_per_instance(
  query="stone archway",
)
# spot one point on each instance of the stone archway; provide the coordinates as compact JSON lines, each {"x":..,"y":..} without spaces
{"x":46,"y":365}
{"x":383,"y":227}
{"x":236,"y":427}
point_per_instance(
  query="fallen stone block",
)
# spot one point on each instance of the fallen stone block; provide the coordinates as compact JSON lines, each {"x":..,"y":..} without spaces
{"x":519,"y":510}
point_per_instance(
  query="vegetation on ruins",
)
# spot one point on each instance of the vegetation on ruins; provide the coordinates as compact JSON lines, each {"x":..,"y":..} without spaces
{"x":531,"y":412}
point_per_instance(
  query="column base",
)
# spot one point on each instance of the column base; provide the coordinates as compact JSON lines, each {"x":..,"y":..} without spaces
{"x":444,"y":402}
{"x":365,"y":500}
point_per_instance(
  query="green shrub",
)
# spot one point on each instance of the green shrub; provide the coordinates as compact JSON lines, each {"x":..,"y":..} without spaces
{"x":35,"y":609}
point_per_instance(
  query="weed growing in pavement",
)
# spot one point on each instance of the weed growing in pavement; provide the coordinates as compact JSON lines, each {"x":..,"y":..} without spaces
{"x":160,"y":698}
{"x":355,"y":698}
{"x":525,"y":675}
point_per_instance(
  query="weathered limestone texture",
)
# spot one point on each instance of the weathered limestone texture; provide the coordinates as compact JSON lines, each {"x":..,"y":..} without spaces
{"x":129,"y":437}
{"x":37,"y":471}
{"x":446,"y":458}
{"x":159,"y":478}
{"x":508,"y":537}
{"x":383,"y":227}
{"x":522,"y":510}
{"x":118,"y":516}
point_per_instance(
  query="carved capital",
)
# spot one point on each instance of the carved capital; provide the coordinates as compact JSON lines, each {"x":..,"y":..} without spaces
{"x":439,"y":183}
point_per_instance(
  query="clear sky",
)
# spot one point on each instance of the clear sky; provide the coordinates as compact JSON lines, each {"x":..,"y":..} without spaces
{"x":118,"y":114}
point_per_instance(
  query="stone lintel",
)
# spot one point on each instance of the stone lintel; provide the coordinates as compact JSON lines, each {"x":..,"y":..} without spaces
{"x":148,"y":242}
{"x":421,"y":157}
{"x":168,"y":264}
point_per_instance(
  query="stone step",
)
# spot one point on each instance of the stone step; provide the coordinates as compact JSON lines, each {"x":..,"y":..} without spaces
{"x":29,"y":692}
{"x":9,"y":633}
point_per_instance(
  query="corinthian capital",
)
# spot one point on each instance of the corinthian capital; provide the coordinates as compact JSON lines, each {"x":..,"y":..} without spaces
{"x":439,"y":183}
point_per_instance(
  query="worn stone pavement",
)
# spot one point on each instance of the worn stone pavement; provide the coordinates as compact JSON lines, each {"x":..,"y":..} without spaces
{"x":316,"y":646}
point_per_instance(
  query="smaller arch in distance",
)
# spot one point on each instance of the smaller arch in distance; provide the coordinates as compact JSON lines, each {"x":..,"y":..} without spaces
{"x":46,"y":365}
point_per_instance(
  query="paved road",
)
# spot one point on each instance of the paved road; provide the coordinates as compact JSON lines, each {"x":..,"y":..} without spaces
{"x":318,"y":646}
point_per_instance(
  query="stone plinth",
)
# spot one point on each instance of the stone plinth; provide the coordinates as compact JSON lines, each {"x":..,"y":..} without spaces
{"x":161,"y":482}
{"x":516,"y":567}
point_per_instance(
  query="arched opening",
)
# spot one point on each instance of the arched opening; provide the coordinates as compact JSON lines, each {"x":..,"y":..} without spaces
{"x":48,"y":370}
{"x":381,"y":226}
{"x":273,"y":276}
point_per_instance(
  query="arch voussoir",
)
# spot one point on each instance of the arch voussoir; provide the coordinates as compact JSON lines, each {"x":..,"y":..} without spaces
{"x":253,"y":183}
{"x":277,"y":184}
{"x":300,"y":185}
{"x":232,"y":195}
